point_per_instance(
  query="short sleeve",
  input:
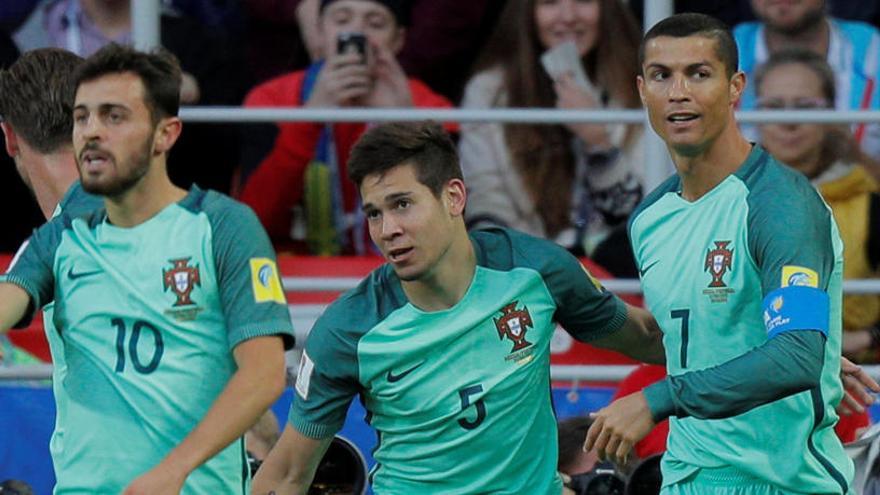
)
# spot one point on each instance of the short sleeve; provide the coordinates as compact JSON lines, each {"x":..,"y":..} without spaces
{"x":249,"y":282}
{"x":584,"y":307}
{"x":32,"y":267}
{"x":326,"y":381}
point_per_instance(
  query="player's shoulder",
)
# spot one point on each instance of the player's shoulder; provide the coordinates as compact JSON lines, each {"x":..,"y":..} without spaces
{"x":779,"y":197}
{"x":671,"y":185}
{"x":77,"y":201}
{"x":362,"y":308}
{"x":218,"y":207}
{"x":505,"y":249}
{"x":858,"y":32}
{"x":771,"y":184}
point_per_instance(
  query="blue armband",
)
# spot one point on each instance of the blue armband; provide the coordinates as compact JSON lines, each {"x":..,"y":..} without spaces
{"x":796,"y":308}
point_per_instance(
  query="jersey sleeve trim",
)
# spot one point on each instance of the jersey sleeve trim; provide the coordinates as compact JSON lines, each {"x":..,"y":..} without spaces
{"x":278,"y":327}
{"x":615,"y":323}
{"x":312,"y":430}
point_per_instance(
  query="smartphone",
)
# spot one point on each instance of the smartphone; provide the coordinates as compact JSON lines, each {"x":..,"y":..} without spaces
{"x":352,"y":43}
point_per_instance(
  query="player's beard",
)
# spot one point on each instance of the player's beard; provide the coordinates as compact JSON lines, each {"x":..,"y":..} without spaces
{"x":136,"y":168}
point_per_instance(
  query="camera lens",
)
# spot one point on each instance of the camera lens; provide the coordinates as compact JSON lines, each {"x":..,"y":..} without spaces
{"x":605,"y":484}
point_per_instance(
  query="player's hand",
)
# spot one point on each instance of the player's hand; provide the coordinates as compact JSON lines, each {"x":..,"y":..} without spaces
{"x":857,"y":385}
{"x":344,"y":80}
{"x":391,"y":88}
{"x":160,"y":480}
{"x":618,"y":427}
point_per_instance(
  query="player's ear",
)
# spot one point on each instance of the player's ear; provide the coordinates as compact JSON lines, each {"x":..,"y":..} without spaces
{"x":737,"y":86}
{"x":166,"y":134}
{"x":640,"y":82}
{"x":11,"y":139}
{"x":455,"y":197}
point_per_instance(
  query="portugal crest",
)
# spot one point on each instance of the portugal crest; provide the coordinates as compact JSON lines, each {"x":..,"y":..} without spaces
{"x":181,"y":279}
{"x":718,"y":262}
{"x":513,"y":324}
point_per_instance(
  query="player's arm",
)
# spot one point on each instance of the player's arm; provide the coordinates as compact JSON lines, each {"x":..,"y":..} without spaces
{"x":639,"y":337}
{"x":256,"y":384}
{"x":14,"y":303}
{"x":290,"y":466}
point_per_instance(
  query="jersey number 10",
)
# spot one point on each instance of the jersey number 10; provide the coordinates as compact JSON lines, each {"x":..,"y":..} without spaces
{"x":136,"y":330}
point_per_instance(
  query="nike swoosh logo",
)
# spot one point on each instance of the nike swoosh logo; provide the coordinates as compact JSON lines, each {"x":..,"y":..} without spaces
{"x":73,"y":276}
{"x":644,"y":270}
{"x":400,"y":376}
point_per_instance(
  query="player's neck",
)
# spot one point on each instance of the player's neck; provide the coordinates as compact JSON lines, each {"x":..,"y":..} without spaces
{"x":701,"y":172}
{"x":815,"y":38}
{"x":144,"y":200}
{"x":450,"y":279}
{"x":51,"y":175}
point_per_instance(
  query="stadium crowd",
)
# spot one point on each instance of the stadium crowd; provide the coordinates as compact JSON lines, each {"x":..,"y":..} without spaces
{"x":576,"y":185}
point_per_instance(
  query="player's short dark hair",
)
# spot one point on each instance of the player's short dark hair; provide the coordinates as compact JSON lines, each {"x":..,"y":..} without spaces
{"x":36,"y":97}
{"x":158,"y":70}
{"x":572,"y":432}
{"x":691,"y":24}
{"x":424,"y":145}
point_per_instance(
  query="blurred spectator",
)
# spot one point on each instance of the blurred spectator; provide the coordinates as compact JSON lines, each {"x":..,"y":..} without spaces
{"x":798,"y":78}
{"x":206,"y":153}
{"x":14,"y":195}
{"x":443,"y":38}
{"x":260,"y":439}
{"x":299,"y":190}
{"x":851,"y":48}
{"x":572,"y":183}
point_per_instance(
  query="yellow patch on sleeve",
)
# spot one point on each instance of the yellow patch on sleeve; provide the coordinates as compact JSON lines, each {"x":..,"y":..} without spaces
{"x":793,"y":275}
{"x":593,"y":279}
{"x":265,"y":281}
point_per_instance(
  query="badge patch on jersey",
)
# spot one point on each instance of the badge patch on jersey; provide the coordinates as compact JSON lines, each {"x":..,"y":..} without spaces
{"x":304,"y":375}
{"x":265,"y":281}
{"x":513,"y":325}
{"x":593,"y":279}
{"x":181,"y":279}
{"x":719,"y":259}
{"x":799,"y":276}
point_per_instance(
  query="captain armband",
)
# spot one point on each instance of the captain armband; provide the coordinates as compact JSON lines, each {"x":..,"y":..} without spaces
{"x":795,"y":308}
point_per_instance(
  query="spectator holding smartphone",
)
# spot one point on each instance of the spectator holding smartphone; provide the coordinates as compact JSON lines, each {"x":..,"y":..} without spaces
{"x":298,"y":188}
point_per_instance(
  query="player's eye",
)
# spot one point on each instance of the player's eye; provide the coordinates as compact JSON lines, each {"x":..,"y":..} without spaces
{"x":80,"y":118}
{"x":659,"y":75}
{"x":403,"y":204}
{"x":372,"y":214}
{"x":115,"y":117}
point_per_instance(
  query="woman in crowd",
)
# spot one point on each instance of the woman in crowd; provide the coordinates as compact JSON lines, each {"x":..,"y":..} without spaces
{"x":829,"y":156}
{"x":573,"y":183}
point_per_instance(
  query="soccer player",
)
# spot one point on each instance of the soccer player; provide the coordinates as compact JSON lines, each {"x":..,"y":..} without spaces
{"x":36,"y":116}
{"x":741,"y":265}
{"x":448,"y":343}
{"x":168,"y":302}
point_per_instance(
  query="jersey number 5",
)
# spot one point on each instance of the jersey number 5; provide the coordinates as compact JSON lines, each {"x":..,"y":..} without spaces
{"x":136,"y":330}
{"x":465,"y":395}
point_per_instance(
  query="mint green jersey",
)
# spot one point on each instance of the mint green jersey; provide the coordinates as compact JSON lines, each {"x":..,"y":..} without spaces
{"x":76,"y":202}
{"x":460,"y":398}
{"x":148,"y":317}
{"x":707,"y":267}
